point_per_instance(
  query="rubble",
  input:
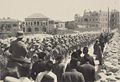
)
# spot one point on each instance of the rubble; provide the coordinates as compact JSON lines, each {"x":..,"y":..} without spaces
{"x":111,"y":71}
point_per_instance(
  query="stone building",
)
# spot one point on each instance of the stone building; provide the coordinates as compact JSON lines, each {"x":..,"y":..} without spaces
{"x":9,"y":26}
{"x":99,"y":19}
{"x":23,"y":26}
{"x":36,"y":23}
{"x":93,"y":19}
{"x":114,"y":19}
{"x":60,"y":24}
{"x":55,"y":25}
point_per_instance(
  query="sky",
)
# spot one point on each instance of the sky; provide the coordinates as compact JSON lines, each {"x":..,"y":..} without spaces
{"x":63,"y":10}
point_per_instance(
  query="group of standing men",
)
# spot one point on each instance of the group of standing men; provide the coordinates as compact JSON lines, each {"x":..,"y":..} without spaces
{"x":34,"y":60}
{"x":100,"y":45}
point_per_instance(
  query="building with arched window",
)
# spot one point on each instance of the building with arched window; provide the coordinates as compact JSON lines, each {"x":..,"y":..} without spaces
{"x":39,"y":23}
{"x":97,"y":19}
{"x":36,"y":23}
{"x":102,"y":19}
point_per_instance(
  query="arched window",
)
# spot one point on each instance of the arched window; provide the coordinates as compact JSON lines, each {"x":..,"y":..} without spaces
{"x":37,"y":23}
{"x":34,"y":23}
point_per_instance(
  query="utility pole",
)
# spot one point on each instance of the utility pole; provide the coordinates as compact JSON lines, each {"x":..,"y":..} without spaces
{"x":108,"y":21}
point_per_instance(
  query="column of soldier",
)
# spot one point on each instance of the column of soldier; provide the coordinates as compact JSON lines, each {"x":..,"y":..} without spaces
{"x":36,"y":61}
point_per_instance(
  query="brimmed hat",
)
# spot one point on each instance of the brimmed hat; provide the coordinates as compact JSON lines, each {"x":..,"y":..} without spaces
{"x":19,"y":34}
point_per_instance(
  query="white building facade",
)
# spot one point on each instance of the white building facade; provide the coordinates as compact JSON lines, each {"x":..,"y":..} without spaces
{"x":36,"y":23}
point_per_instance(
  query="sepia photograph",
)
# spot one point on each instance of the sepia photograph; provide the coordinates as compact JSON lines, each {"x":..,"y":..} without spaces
{"x":59,"y":40}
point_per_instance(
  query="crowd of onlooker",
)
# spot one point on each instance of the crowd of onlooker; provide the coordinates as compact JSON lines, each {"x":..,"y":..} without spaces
{"x":46,"y":61}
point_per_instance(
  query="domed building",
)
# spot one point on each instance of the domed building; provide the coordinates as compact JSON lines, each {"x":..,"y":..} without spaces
{"x":36,"y":23}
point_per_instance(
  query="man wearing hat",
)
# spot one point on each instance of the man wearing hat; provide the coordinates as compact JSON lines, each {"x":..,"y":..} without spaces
{"x":18,"y":70}
{"x":17,"y":47}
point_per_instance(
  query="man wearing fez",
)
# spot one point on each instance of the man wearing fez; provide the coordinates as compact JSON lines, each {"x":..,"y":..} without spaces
{"x":17,"y":47}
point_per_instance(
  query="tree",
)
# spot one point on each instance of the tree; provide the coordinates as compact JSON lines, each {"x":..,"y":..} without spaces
{"x":71,"y":25}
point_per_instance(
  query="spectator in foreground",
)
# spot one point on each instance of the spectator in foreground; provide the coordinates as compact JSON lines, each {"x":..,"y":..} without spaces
{"x":18,"y":71}
{"x":59,"y":68}
{"x":17,"y":47}
{"x":88,"y":71}
{"x":39,"y":65}
{"x":87,"y":57}
{"x":73,"y":75}
{"x":47,"y":75}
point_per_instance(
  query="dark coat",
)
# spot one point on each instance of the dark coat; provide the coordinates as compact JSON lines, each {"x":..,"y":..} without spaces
{"x":59,"y":69}
{"x":37,"y":67}
{"x":55,"y":52}
{"x":72,"y":76}
{"x":98,"y":51}
{"x":102,"y":43}
{"x":68,"y":67}
{"x":88,"y":72}
{"x":89,"y":59}
{"x":18,"y":49}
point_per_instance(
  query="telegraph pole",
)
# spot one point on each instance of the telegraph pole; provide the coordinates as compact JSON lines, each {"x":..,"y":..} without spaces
{"x":108,"y":21}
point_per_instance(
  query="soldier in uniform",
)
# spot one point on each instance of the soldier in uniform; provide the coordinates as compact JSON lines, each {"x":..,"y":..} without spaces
{"x":98,"y":52}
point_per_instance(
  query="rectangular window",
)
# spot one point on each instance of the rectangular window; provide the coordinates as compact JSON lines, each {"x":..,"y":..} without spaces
{"x":37,"y":23}
{"x":15,"y":25}
{"x":8,"y":29}
{"x":61,"y":25}
{"x":36,"y":29}
{"x":29,"y":23}
{"x":46,"y":23}
{"x":29,"y":30}
{"x":23,"y":29}
{"x":41,"y":24}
